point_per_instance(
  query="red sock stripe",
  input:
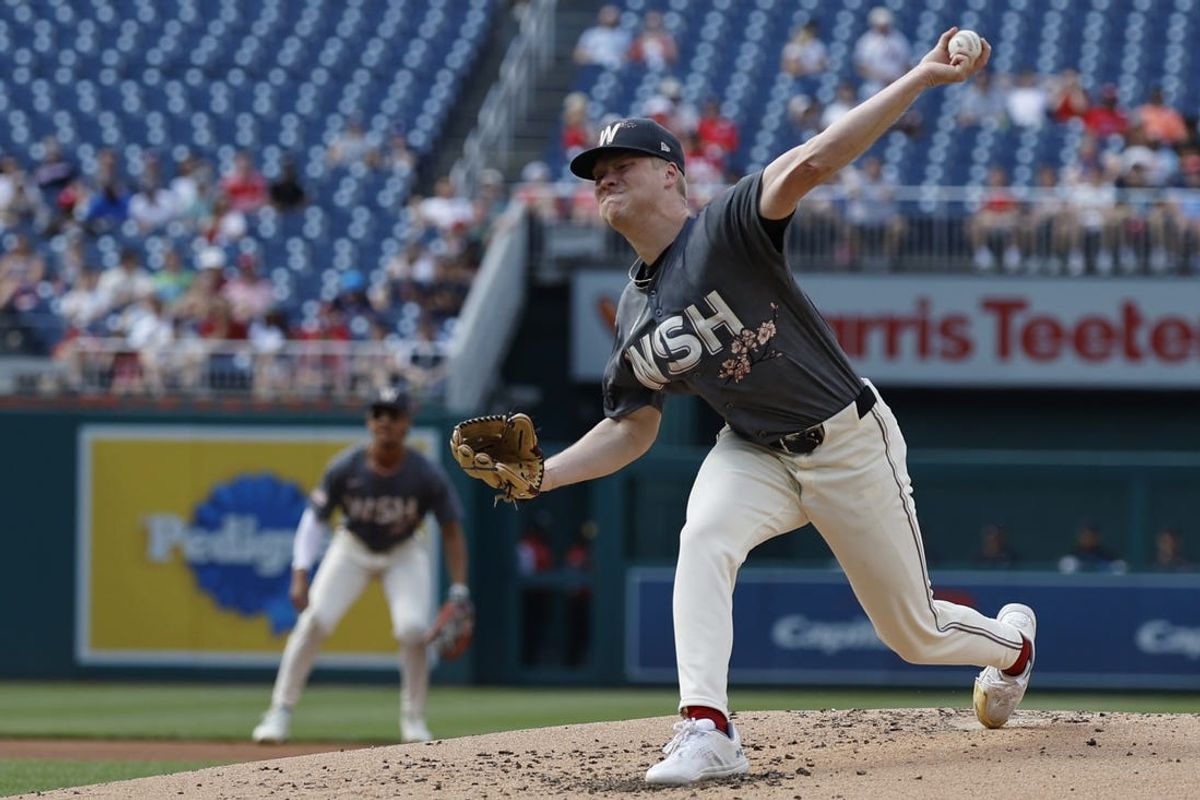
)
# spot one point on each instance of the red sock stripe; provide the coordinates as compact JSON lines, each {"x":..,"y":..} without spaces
{"x":1019,"y":665}
{"x":704,"y":712}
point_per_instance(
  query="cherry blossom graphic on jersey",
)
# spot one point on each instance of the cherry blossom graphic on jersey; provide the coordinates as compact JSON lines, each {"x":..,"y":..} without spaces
{"x":750,"y":347}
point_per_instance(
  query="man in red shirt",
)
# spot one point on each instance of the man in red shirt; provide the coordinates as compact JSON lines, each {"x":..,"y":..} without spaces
{"x":1105,"y":119}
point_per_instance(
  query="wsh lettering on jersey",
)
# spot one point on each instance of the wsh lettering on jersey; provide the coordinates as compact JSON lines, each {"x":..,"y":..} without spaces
{"x":382,"y":510}
{"x":677,"y":344}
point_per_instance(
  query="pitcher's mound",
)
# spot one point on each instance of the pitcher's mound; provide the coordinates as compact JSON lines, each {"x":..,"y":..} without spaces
{"x":904,"y":753}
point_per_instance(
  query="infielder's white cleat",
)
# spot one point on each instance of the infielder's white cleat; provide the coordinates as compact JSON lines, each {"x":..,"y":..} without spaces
{"x":414,"y":729}
{"x":699,"y":751}
{"x":275,"y":726}
{"x":997,"y":695}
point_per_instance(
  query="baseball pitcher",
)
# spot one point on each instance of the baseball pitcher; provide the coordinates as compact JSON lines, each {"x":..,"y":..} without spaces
{"x":712,"y":309}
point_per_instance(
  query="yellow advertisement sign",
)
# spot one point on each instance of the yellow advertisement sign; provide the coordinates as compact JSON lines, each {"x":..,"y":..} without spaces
{"x":185,"y":546}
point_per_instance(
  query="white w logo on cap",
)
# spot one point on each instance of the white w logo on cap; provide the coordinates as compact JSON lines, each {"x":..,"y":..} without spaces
{"x":609,"y":134}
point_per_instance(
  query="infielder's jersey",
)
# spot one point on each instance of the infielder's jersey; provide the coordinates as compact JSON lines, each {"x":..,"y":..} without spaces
{"x":384,"y":510}
{"x":721,"y":316}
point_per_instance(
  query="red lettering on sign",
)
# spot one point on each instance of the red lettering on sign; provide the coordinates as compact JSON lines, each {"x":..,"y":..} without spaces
{"x":1171,"y":339}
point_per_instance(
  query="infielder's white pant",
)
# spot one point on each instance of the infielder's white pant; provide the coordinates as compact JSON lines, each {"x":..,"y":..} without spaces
{"x":855,"y":489}
{"x":346,"y":569}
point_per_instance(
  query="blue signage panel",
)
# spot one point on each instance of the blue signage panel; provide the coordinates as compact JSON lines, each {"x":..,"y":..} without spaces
{"x":805,"y":626}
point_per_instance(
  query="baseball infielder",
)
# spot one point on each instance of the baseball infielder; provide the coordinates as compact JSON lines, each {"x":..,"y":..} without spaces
{"x":712,"y":309}
{"x":384,"y":491}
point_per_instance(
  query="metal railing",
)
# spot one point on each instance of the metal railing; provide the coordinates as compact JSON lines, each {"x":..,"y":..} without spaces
{"x":201,"y":368}
{"x":973,"y":229}
{"x":505,"y":105}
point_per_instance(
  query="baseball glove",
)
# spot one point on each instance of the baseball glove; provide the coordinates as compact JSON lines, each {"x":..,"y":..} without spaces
{"x":502,"y":451}
{"x":453,"y":629}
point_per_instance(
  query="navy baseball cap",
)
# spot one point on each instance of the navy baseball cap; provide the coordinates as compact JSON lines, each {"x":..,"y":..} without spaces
{"x":392,"y":399}
{"x":638,"y":134}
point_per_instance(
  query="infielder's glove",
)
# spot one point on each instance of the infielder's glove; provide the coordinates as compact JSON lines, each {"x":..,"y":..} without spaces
{"x":502,"y":451}
{"x":453,"y":629}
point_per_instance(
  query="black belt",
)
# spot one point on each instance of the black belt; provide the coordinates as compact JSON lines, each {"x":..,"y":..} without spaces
{"x":804,"y":442}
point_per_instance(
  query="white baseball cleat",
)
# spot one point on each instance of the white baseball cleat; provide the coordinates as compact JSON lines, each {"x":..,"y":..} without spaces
{"x":414,"y":729}
{"x":997,"y":695}
{"x":275,"y":726}
{"x":699,"y":751}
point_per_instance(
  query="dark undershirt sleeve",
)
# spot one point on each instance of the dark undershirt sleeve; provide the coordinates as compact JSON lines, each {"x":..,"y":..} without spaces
{"x":775,"y":229}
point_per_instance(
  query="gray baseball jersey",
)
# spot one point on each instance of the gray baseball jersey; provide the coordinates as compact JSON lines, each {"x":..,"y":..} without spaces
{"x":719,"y":315}
{"x":384,"y":510}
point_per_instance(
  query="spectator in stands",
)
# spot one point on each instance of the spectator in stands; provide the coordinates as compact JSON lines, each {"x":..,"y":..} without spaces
{"x":706,"y":164}
{"x":875,"y":226}
{"x":1027,"y":101}
{"x":1067,"y":97}
{"x":882,"y":54}
{"x":15,"y":203}
{"x":993,"y":228}
{"x":1091,"y":222}
{"x":1089,"y":554}
{"x":1161,"y":123}
{"x":272,"y":367}
{"x":244,"y":185}
{"x":717,"y":131}
{"x":1168,"y":552}
{"x":605,"y":44}
{"x":1184,"y":208}
{"x":84,"y":304}
{"x":53,"y":174}
{"x":172,"y":281}
{"x":71,"y":261}
{"x":843,"y":101}
{"x":1106,"y":118}
{"x":22,"y":268}
{"x":351,"y":145}
{"x":804,"y":54}
{"x":1158,"y":162}
{"x":994,"y":551}
{"x":577,"y":131}
{"x":152,"y":206}
{"x":538,"y":193}
{"x":804,"y":116}
{"x":982,"y":102}
{"x":1044,"y":236}
{"x":1143,"y":222}
{"x":127,"y":282}
{"x":578,"y":562}
{"x":534,"y":557}
{"x":654,"y":46}
{"x":148,"y":335}
{"x":397,"y":157}
{"x":225,"y":224}
{"x":194,"y":305}
{"x":107,"y":208}
{"x":249,"y":294}
{"x":446,"y":209}
{"x":190,"y":186}
{"x":287,"y":193}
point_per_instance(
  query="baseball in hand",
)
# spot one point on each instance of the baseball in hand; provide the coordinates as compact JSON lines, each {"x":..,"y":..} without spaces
{"x":968,"y":43}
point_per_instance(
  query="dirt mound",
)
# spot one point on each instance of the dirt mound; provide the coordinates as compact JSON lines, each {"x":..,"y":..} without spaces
{"x":927,"y":753}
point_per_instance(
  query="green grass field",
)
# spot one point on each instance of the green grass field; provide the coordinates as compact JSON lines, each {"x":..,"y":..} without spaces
{"x":369,"y":714}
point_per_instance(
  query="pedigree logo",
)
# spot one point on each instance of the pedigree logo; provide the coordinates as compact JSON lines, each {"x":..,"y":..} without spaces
{"x":238,"y":545}
{"x":1011,"y":329}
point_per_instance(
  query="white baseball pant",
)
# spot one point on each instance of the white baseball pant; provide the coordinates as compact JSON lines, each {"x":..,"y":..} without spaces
{"x":855,"y":489}
{"x":348,"y":566}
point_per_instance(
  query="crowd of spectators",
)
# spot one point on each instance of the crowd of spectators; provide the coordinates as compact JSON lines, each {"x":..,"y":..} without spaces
{"x":1126,"y":201}
{"x":139,"y":276}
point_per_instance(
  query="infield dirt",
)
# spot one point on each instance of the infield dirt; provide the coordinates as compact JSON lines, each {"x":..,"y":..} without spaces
{"x":907,"y":753}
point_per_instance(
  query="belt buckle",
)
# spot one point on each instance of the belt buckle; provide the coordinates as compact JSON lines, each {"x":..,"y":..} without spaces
{"x":810,"y":437}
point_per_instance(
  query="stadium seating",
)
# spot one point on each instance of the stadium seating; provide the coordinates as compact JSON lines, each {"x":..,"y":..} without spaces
{"x":273,"y":78}
{"x":731,"y":49}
